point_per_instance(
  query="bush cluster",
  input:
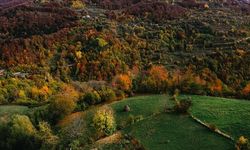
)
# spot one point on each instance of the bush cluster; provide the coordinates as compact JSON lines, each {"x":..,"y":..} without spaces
{"x":60,"y":106}
{"x":93,"y":97}
{"x":154,"y":80}
{"x":25,"y":91}
{"x":157,"y":11}
{"x":122,"y":82}
{"x":77,"y":4}
{"x":242,"y":143}
{"x":20,"y":133}
{"x":104,"y":121}
{"x":182,"y":106}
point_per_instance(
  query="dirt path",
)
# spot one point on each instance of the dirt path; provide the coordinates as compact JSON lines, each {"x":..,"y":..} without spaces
{"x":114,"y":138}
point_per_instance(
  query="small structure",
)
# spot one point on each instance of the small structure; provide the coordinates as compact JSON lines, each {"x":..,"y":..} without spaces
{"x":126,"y":108}
{"x":2,"y":72}
{"x":20,"y":74}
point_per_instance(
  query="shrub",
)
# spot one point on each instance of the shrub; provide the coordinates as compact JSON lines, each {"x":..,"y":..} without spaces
{"x":19,"y":134}
{"x":34,"y":93}
{"x":133,"y":119}
{"x":123,"y":82}
{"x":107,"y":94}
{"x":196,"y":88}
{"x":3,"y":100}
{"x":40,"y":94}
{"x":101,"y":42}
{"x":83,"y":87}
{"x":69,"y":90}
{"x":242,"y":143}
{"x":104,"y":121}
{"x":183,"y":106}
{"x":155,"y":80}
{"x":75,"y":145}
{"x":246,"y":90}
{"x":148,"y":85}
{"x":21,"y":94}
{"x":12,"y":92}
{"x":3,"y":96}
{"x":192,"y":87}
{"x":40,"y":114}
{"x":25,"y":101}
{"x":77,"y":4}
{"x":61,"y":105}
{"x":22,"y":124}
{"x":22,"y":99}
{"x":81,"y":105}
{"x":92,"y":98}
{"x":216,"y":87}
{"x":95,"y":97}
{"x":46,"y":137}
{"x":158,"y":73}
{"x":120,"y":94}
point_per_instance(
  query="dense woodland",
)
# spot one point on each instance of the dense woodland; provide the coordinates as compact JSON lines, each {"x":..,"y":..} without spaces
{"x":67,"y":56}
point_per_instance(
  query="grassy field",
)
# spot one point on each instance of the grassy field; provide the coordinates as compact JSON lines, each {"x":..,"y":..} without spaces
{"x":176,"y":132}
{"x":142,"y":106}
{"x":13,"y":109}
{"x":156,"y":129}
{"x":230,"y":115}
{"x":159,"y":130}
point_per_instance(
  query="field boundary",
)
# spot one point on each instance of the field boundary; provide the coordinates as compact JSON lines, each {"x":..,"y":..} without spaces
{"x":216,"y":130}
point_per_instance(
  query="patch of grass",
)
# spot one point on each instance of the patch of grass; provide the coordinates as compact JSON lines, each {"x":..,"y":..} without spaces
{"x":143,"y":106}
{"x":8,"y":110}
{"x":176,"y":132}
{"x":80,"y":126}
{"x":158,"y":130}
{"x":229,"y":115}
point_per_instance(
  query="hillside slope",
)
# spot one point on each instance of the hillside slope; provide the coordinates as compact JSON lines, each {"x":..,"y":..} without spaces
{"x":50,"y":37}
{"x":152,"y":127}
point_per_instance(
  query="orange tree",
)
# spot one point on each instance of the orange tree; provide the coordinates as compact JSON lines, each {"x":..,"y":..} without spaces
{"x":154,"y":80}
{"x":122,"y":82}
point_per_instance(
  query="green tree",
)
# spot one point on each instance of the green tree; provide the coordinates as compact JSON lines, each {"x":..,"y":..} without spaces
{"x":60,"y":106}
{"x":19,"y":134}
{"x":92,"y":98}
{"x":104,"y":121}
{"x":46,"y":137}
{"x":107,"y":94}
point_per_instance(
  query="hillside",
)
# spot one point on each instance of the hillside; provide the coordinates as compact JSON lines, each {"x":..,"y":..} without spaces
{"x":82,"y":74}
{"x":155,"y":129}
{"x":107,"y":38}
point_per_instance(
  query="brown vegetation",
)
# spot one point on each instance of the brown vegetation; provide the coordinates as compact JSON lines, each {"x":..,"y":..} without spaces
{"x":156,"y":10}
